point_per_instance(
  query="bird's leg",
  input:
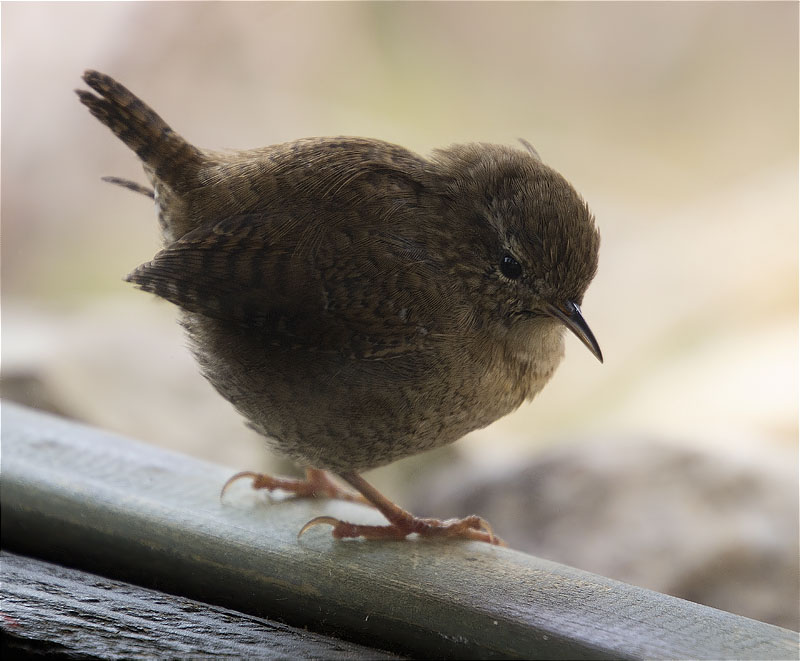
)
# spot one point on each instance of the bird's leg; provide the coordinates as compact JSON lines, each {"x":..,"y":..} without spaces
{"x":317,"y":484}
{"x":402,"y":523}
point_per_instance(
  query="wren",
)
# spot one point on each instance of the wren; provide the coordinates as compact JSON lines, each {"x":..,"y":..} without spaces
{"x":358,"y":303}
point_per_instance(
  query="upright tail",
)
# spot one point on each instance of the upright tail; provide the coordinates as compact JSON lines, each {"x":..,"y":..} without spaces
{"x":167,"y":155}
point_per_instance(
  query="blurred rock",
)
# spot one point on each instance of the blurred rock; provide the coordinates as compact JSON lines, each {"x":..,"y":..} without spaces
{"x":711,"y":528}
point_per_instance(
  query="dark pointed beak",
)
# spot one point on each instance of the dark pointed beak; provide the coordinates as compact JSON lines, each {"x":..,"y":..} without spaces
{"x":570,"y":315}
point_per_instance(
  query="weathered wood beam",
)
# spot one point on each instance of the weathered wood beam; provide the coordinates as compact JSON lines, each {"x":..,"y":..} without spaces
{"x":49,"y":610}
{"x":86,"y":498}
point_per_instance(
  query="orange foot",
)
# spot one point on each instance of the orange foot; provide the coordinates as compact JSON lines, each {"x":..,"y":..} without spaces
{"x":402,"y":523}
{"x":317,"y":484}
{"x":472,"y":527}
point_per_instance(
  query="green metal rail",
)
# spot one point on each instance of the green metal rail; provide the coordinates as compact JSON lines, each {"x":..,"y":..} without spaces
{"x":91,"y":500}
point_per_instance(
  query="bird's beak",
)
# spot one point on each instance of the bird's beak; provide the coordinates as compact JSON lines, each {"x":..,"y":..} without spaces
{"x":570,"y":315}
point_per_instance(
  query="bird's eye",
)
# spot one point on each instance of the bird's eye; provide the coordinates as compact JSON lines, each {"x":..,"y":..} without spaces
{"x":510,"y":267}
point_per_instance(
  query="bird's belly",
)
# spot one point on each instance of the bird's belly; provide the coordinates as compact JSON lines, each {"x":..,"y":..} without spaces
{"x":333,"y":412}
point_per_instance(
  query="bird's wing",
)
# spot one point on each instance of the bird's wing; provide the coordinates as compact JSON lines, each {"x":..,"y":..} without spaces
{"x":344,"y":287}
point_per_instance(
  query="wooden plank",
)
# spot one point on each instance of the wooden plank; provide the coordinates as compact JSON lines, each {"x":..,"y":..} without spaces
{"x":134,"y":512}
{"x":51,"y":609}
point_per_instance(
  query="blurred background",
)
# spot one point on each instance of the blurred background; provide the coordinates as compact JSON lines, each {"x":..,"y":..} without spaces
{"x":674,"y":464}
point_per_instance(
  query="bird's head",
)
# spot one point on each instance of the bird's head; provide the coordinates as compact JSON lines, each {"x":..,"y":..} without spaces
{"x":529,"y":242}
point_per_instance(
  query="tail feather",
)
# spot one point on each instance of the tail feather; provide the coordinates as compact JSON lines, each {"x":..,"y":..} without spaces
{"x":130,"y":185}
{"x":171,"y":159}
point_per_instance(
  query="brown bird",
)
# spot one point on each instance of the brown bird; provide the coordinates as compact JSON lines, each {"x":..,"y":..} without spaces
{"x":358,"y":303}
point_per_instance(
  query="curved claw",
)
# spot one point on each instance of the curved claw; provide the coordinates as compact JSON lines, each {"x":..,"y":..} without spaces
{"x":236,"y":477}
{"x":317,"y":521}
{"x":347,"y":530}
{"x":458,"y":528}
{"x":483,"y":524}
{"x":493,"y":539}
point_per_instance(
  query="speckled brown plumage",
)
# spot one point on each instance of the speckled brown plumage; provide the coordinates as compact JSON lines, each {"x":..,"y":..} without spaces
{"x":356,"y":302}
